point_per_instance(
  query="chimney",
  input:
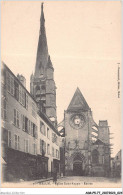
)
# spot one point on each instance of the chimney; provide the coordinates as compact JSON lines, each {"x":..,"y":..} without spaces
{"x":22,"y":79}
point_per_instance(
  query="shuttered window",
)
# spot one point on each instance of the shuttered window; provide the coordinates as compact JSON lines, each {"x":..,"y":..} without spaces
{"x":16,"y":118}
{"x":10,"y":83}
{"x":9,"y":138}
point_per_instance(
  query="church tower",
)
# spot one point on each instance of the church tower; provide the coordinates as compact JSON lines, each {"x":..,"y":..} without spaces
{"x":42,"y":84}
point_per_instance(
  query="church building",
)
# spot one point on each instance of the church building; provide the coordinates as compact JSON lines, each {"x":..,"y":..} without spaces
{"x":86,"y":144}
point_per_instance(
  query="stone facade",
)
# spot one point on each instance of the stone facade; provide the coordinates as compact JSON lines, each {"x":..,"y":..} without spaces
{"x":86,"y":149}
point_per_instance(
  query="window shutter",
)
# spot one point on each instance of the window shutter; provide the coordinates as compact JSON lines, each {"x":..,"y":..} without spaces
{"x":44,"y":147}
{"x":40,"y":146}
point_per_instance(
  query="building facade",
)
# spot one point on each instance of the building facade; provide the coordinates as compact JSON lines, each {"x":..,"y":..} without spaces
{"x":29,"y":139}
{"x":117,"y":165}
{"x":86,"y":144}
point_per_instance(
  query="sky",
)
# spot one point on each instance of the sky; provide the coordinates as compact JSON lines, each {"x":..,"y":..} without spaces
{"x":84,"y":42}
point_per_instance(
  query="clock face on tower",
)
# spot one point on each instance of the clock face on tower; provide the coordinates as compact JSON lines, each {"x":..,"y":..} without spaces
{"x":77,"y":121}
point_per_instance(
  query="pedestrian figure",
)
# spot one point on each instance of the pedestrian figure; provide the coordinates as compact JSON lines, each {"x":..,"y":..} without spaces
{"x":55,"y":175}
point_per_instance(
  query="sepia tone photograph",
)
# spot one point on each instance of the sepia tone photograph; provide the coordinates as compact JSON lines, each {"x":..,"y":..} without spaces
{"x":61,"y":94}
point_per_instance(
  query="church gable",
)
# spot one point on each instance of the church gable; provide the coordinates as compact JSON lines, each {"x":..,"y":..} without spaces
{"x":78,"y":102}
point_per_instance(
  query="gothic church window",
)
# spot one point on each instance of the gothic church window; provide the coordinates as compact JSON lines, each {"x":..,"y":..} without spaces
{"x":37,"y":88}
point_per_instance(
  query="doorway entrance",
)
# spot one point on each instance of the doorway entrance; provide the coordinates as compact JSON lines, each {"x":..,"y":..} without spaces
{"x":77,"y":168}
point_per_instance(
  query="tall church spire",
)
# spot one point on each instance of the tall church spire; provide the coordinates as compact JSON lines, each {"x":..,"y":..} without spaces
{"x":42,"y":50}
{"x":42,"y":84}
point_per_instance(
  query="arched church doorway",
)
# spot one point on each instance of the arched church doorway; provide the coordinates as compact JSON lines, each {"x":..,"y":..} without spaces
{"x":77,"y":169}
{"x":78,"y":165}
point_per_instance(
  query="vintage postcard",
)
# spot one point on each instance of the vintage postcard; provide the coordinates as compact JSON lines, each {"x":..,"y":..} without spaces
{"x":61,"y":94}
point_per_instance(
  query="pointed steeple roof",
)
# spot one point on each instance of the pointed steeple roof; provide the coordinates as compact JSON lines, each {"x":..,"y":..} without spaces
{"x":98,"y":142}
{"x":42,"y":51}
{"x":78,"y":102}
